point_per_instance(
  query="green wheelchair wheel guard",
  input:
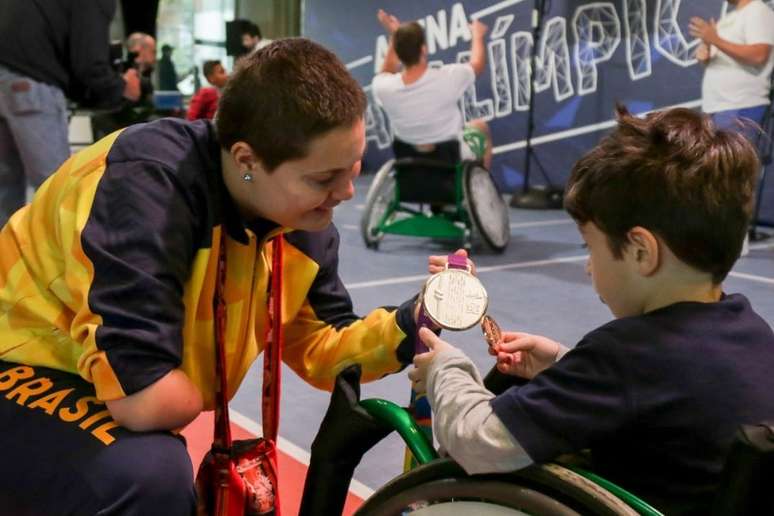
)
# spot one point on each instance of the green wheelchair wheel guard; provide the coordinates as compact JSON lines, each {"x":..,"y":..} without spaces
{"x":475,"y":139}
{"x":398,"y":418}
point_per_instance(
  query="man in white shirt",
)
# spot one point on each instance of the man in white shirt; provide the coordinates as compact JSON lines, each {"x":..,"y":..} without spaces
{"x":421,"y":102}
{"x":739,"y":62}
{"x":736,"y":53}
{"x":252,"y":39}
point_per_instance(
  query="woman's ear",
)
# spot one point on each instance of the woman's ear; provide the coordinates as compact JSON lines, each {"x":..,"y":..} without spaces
{"x":643,"y":248}
{"x":244,"y":157}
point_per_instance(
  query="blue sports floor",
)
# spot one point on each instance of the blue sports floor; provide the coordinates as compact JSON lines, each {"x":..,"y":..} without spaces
{"x":538,"y":285}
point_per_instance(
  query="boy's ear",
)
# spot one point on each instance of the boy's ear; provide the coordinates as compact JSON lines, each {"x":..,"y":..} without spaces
{"x":643,"y":247}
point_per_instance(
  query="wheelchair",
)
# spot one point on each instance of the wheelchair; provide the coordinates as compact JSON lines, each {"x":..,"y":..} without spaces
{"x":435,"y":194}
{"x":440,"y":487}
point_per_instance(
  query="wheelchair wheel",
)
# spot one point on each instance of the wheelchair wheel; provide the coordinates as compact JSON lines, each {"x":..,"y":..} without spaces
{"x":442,"y":488}
{"x":486,"y":207}
{"x":380,"y":195}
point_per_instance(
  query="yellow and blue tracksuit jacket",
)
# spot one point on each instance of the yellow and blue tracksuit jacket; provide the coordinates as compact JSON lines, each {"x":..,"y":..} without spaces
{"x":110,"y":273}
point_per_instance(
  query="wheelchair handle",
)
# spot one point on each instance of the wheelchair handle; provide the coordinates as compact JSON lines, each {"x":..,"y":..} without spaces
{"x":397,"y":417}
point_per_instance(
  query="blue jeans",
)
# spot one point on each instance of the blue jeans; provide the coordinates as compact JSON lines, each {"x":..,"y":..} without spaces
{"x":739,"y":120}
{"x":33,"y":137}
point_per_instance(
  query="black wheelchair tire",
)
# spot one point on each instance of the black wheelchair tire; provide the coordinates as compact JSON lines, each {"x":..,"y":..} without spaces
{"x":496,"y":238}
{"x":539,"y":490}
{"x":382,"y":185}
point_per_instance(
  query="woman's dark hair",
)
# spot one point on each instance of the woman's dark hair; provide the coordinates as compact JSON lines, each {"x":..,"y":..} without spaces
{"x":283,"y":96}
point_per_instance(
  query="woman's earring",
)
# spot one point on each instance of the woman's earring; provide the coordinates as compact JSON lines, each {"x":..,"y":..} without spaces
{"x":247,"y":176}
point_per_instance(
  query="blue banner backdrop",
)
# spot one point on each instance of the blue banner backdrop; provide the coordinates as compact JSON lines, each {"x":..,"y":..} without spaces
{"x":590,"y":55}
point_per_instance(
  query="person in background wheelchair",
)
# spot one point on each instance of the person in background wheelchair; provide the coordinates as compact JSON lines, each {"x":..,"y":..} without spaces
{"x":439,"y":161}
{"x":422,"y":102}
{"x":657,"y":394}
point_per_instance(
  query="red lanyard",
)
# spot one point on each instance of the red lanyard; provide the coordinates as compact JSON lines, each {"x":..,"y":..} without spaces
{"x":272,"y":353}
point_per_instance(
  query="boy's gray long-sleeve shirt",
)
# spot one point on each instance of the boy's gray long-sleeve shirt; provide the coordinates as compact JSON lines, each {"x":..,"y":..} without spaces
{"x":463,"y":420}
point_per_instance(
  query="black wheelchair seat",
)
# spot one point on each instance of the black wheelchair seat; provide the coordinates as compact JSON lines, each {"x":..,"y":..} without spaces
{"x":427,"y":177}
{"x":464,"y":202}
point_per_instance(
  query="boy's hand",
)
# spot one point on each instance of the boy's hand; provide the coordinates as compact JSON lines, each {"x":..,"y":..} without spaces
{"x":525,"y":355}
{"x":437,"y":263}
{"x":418,"y":375}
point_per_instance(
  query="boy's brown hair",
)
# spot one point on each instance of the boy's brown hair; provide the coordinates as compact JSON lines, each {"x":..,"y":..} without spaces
{"x":675,"y":174}
{"x":408,"y":41}
{"x":208,"y":68}
{"x":283,"y":96}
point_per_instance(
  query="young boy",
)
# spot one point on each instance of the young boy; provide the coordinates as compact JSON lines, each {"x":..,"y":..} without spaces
{"x":656,"y":394}
{"x":204,"y":103}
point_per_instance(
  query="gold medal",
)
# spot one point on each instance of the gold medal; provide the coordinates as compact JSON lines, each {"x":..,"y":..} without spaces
{"x":454,"y":299}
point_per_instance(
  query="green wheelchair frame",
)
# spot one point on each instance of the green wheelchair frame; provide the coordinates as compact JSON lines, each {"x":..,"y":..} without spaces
{"x":400,"y":218}
{"x":397,"y":201}
{"x":438,"y":486}
{"x":442,"y":480}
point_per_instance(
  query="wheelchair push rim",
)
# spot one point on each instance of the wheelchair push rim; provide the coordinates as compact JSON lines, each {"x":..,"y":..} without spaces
{"x":539,"y":490}
{"x":378,"y":206}
{"x":486,"y":207}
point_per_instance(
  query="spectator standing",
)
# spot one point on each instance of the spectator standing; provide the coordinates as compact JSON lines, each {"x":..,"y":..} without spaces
{"x":167,"y":71}
{"x":49,"y":52}
{"x":736,"y":52}
{"x":252,"y":39}
{"x":141,"y":56}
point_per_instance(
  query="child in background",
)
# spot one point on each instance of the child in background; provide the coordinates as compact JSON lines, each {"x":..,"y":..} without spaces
{"x":204,"y":103}
{"x":657,"y":394}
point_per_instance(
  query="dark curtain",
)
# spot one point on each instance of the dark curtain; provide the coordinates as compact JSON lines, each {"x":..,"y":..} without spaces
{"x":140,"y":16}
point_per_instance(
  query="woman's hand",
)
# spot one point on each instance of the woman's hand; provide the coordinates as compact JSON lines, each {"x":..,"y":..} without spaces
{"x":437,"y":263}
